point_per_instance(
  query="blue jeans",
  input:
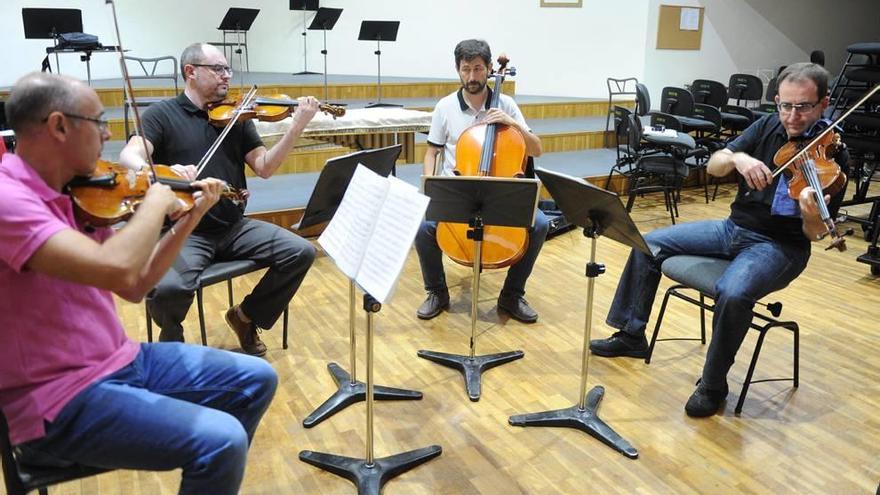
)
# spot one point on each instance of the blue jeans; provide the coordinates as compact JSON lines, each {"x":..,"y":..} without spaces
{"x":174,"y":406}
{"x":431,"y":258}
{"x":759,"y":266}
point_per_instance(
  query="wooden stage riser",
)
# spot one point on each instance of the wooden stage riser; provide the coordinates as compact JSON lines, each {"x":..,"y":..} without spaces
{"x":114,"y":97}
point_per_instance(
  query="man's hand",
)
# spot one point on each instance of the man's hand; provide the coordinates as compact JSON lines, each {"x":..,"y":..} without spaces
{"x":188,"y":172}
{"x":809,"y":205}
{"x":208,"y":194}
{"x":161,"y":196}
{"x":306,"y":109}
{"x":756,"y":174}
{"x":497,"y":116}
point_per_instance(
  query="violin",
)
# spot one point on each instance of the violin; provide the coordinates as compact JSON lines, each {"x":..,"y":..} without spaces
{"x":812,"y":164}
{"x":488,"y":150}
{"x":267,"y":109}
{"x":113,"y":192}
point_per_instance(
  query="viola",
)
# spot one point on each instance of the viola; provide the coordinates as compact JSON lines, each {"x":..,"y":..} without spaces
{"x":113,"y":192}
{"x":267,"y":109}
{"x":486,"y":150}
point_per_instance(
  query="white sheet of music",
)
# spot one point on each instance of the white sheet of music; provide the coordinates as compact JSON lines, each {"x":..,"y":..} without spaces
{"x":371,"y":233}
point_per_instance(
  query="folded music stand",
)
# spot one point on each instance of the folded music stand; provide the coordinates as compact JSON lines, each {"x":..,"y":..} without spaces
{"x":49,"y":23}
{"x":325,"y":200}
{"x":238,"y":20}
{"x":599,"y":212}
{"x":304,"y":6}
{"x":379,"y":31}
{"x":324,"y":21}
{"x":478,"y":202}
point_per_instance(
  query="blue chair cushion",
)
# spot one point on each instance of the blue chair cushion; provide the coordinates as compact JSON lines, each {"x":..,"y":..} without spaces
{"x":698,"y":272}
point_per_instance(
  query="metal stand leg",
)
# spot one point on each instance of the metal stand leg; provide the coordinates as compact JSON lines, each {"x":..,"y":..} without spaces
{"x":379,"y":102}
{"x":473,"y":366}
{"x":370,"y":474}
{"x":585,"y":415}
{"x":349,"y":389}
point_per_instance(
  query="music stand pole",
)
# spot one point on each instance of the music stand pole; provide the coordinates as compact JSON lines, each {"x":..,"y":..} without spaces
{"x":349,"y":389}
{"x":370,"y":474}
{"x":324,"y":53}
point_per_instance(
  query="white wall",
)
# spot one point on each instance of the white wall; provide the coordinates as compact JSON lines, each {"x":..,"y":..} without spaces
{"x":558,"y":51}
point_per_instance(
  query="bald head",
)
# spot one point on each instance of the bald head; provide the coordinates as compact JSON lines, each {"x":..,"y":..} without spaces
{"x":38,"y":94}
{"x":196,"y":53}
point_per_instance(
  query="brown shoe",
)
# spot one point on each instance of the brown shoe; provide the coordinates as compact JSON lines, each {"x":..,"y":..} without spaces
{"x":246,"y":332}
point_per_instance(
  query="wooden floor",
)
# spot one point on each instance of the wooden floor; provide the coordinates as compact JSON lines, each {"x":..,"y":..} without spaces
{"x":823,"y":437}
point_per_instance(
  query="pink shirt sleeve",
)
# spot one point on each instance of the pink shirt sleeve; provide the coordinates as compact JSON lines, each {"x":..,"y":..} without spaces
{"x":26,"y":222}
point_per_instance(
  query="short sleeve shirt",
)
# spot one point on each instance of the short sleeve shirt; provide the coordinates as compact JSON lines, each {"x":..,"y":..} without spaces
{"x":181,"y":133}
{"x":452,"y":116}
{"x":57,"y":336}
{"x":751,"y":209}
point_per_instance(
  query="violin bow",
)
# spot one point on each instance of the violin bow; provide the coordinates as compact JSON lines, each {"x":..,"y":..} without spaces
{"x":138,"y":127}
{"x":245,"y":102}
{"x":827,"y":130}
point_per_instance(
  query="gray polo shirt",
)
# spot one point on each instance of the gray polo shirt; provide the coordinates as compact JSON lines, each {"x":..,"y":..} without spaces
{"x":452,"y":116}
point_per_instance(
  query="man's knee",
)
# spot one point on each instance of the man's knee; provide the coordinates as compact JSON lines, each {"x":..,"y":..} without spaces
{"x":295,"y":253}
{"x":265,"y":379}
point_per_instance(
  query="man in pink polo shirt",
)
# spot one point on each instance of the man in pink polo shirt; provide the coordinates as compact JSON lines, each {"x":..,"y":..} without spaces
{"x":73,"y":387}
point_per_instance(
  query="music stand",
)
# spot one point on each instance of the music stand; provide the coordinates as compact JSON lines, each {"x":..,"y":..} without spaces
{"x":324,"y":21}
{"x":304,"y":6}
{"x":49,"y":23}
{"x":599,"y":212}
{"x":379,"y":31}
{"x":238,"y":20}
{"x":478,"y":202}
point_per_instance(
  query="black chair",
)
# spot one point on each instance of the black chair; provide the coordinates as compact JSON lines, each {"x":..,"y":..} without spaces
{"x":148,"y":67}
{"x":655,"y":170}
{"x":616,"y":88}
{"x":623,"y":165}
{"x":700,"y":274}
{"x":20,"y":477}
{"x":734,"y":119}
{"x":747,"y":90}
{"x":216,"y":273}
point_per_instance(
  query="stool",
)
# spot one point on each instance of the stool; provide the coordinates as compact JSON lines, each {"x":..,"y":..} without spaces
{"x":215,"y":273}
{"x":700,"y":273}
{"x":21,"y":478}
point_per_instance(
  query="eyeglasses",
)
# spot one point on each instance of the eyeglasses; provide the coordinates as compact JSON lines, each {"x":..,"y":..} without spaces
{"x":101,"y":123}
{"x":216,"y":68}
{"x":796,"y":107}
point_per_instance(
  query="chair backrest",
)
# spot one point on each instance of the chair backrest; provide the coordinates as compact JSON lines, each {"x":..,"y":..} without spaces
{"x":618,"y":87}
{"x":772,"y":89}
{"x":709,"y":92}
{"x":745,"y":87}
{"x":149,"y":66}
{"x":708,"y":112}
{"x":666,"y":120}
{"x":643,"y":100}
{"x":621,"y":125}
{"x":677,"y":101}
{"x":634,"y":133}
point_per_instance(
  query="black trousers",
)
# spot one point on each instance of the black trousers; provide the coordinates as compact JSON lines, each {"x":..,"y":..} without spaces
{"x":290,"y":257}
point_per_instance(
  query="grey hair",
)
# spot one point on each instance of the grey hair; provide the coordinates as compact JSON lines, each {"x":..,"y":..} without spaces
{"x":36,"y":95}
{"x":193,"y":54}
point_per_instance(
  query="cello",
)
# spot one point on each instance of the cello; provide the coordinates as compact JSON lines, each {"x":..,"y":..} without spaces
{"x":488,"y":150}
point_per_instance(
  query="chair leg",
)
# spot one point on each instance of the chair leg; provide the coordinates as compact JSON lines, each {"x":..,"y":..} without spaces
{"x":284,"y":335}
{"x":702,"y":318}
{"x":751,"y":372}
{"x":200,"y":304}
{"x":229,"y":290}
{"x":797,"y":352}
{"x":149,"y":322}
{"x":657,"y":325}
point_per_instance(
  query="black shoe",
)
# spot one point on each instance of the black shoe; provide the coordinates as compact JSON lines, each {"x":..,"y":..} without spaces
{"x":518,"y":308}
{"x":174,"y":335}
{"x":620,"y":344}
{"x":705,"y":402}
{"x":436,"y":302}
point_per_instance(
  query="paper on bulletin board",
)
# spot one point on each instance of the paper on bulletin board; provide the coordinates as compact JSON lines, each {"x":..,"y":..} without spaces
{"x":690,"y":19}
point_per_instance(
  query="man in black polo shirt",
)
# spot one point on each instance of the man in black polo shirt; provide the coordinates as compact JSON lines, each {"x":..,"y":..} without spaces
{"x":767,"y":238}
{"x":177,"y":132}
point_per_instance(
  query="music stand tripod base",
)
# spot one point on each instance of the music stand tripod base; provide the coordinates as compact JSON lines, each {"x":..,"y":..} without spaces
{"x":586,"y":420}
{"x":369,"y":479}
{"x":471,"y":367}
{"x":349,"y":392}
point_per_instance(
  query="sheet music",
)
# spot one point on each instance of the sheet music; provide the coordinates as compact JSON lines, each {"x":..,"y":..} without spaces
{"x":396,"y":227}
{"x":371,"y":233}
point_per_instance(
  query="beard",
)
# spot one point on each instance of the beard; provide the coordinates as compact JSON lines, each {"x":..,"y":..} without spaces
{"x":474,"y":87}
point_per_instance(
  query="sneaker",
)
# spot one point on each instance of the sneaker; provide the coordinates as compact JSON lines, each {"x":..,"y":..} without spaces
{"x":518,"y":308}
{"x":705,"y":402}
{"x":436,"y":302}
{"x":246,"y":332}
{"x":620,"y":344}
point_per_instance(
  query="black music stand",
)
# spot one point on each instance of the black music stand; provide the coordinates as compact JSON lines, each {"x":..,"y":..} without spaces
{"x":305,"y":6}
{"x":325,"y":199}
{"x":49,"y":23}
{"x":599,"y":212}
{"x":379,"y":31}
{"x":324,"y":21}
{"x":239,"y":21}
{"x":478,"y":202}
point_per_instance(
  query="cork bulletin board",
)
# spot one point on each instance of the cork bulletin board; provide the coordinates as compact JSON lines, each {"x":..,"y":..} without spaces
{"x":680,"y":27}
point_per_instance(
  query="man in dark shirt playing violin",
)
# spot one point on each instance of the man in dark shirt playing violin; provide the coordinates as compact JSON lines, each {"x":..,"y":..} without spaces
{"x":177,"y":131}
{"x":767,"y":238}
